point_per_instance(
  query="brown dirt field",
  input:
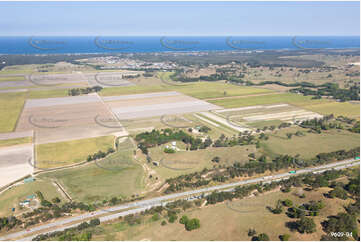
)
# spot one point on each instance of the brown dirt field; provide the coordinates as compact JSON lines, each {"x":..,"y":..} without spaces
{"x":154,"y":100}
{"x":66,"y":122}
{"x":14,"y":162}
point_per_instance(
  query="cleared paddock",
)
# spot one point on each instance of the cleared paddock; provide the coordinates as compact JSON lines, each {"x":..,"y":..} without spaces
{"x":155,"y":104}
{"x":15,"y":135}
{"x":67,"y":118}
{"x":15,"y":163}
{"x":109,"y":79}
{"x":258,"y":113}
{"x":57,"y":79}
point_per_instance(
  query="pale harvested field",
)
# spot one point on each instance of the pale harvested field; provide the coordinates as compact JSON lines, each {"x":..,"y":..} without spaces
{"x":68,"y":118}
{"x":56,"y":79}
{"x":284,"y":116}
{"x":14,"y":163}
{"x":109,"y":79}
{"x":15,"y":135}
{"x":224,"y":121}
{"x":282,"y":112}
{"x":15,"y":84}
{"x":47,"y":80}
{"x":13,"y":90}
{"x":155,"y":104}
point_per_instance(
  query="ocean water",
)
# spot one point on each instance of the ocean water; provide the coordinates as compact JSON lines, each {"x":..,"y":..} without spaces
{"x":128,"y":44}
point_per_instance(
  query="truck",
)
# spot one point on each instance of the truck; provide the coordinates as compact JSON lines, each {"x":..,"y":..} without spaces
{"x":292,"y":172}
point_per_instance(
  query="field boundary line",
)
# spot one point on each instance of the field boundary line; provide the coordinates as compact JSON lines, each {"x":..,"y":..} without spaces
{"x":62,"y":190}
{"x":241,"y":96}
{"x":206,"y":120}
{"x":110,"y":111}
{"x":18,"y":117}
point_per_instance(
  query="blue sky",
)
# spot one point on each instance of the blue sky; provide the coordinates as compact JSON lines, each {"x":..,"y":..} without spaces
{"x":179,"y":18}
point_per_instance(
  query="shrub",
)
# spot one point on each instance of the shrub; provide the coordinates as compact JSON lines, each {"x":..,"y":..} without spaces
{"x":169,"y":150}
{"x":192,"y":224}
{"x":94,"y":222}
{"x":183,"y":219}
{"x":155,"y":217}
{"x":285,"y":237}
{"x":288,"y":203}
{"x":306,"y":225}
{"x":172,"y":218}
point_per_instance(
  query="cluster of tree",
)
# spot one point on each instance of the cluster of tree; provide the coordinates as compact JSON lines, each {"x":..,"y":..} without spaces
{"x":273,"y":127}
{"x":131,"y":76}
{"x":344,"y":225}
{"x":338,"y":191}
{"x":181,"y":185}
{"x":278,"y":209}
{"x":237,"y":80}
{"x":305,"y":225}
{"x":298,"y":133}
{"x":132,"y":219}
{"x":80,"y":91}
{"x":148,"y":74}
{"x":346,"y":120}
{"x":340,"y":227}
{"x":318,"y":124}
{"x":253,"y":167}
{"x":157,"y":137}
{"x":71,"y":234}
{"x":190,"y":224}
{"x":182,"y":78}
{"x":224,"y":141}
{"x":338,"y":155}
{"x":9,"y":222}
{"x":355,"y":128}
{"x":52,"y":210}
{"x":308,"y":209}
{"x":204,"y":129}
{"x":100,"y":154}
{"x":331,"y":90}
{"x":170,"y":211}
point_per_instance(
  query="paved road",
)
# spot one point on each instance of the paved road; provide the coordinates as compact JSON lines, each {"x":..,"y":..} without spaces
{"x":138,"y":206}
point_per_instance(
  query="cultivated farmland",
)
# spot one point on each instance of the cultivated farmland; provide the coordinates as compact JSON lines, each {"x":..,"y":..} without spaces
{"x":154,"y":104}
{"x":15,"y":162}
{"x":68,"y":118}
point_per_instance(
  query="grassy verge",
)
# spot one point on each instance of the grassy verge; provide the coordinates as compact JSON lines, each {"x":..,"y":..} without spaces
{"x":17,"y":141}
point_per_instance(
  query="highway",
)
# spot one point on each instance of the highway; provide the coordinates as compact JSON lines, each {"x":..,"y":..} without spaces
{"x":138,"y":206}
